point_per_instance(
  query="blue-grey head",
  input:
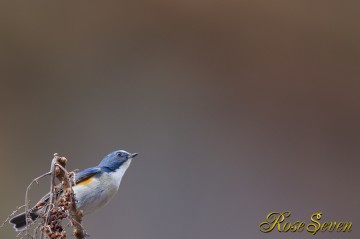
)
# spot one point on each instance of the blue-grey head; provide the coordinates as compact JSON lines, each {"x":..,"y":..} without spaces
{"x":116,"y":159}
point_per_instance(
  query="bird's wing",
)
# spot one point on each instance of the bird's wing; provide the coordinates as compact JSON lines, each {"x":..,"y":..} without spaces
{"x":79,"y":178}
{"x":86,"y":174}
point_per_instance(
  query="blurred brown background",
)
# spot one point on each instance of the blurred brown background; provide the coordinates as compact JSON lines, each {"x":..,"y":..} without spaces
{"x":237,"y":108}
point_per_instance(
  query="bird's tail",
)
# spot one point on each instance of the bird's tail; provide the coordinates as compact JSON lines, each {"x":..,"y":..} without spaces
{"x":19,"y":221}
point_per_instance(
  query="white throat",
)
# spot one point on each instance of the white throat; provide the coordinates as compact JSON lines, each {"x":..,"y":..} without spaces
{"x":119,"y":173}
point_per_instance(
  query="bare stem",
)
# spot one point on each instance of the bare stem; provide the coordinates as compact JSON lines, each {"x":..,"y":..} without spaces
{"x":60,"y":205}
{"x":27,"y":198}
{"x":75,"y":214}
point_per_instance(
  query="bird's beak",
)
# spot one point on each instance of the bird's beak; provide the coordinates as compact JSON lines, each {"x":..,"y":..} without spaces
{"x":133,"y":155}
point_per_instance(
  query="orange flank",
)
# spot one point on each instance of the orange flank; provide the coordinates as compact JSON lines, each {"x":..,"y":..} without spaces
{"x":85,"y":182}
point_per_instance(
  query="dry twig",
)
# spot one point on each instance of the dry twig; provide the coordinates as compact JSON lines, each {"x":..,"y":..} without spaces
{"x":60,"y":205}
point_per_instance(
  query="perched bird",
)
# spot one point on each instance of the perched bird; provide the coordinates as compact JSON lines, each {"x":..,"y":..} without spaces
{"x":94,"y":187}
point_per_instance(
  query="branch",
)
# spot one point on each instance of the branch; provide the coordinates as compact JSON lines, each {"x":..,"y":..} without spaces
{"x":36,"y":180}
{"x":75,"y":215}
{"x":60,"y":205}
{"x":66,"y":204}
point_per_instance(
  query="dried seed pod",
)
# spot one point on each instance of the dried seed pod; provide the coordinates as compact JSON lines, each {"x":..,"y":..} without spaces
{"x":63,"y":234}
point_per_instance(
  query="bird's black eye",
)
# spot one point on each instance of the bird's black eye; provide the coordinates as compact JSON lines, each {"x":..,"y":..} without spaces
{"x":119,"y":154}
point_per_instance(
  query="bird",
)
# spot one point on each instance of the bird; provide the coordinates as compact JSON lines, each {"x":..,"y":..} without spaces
{"x":94,"y":187}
